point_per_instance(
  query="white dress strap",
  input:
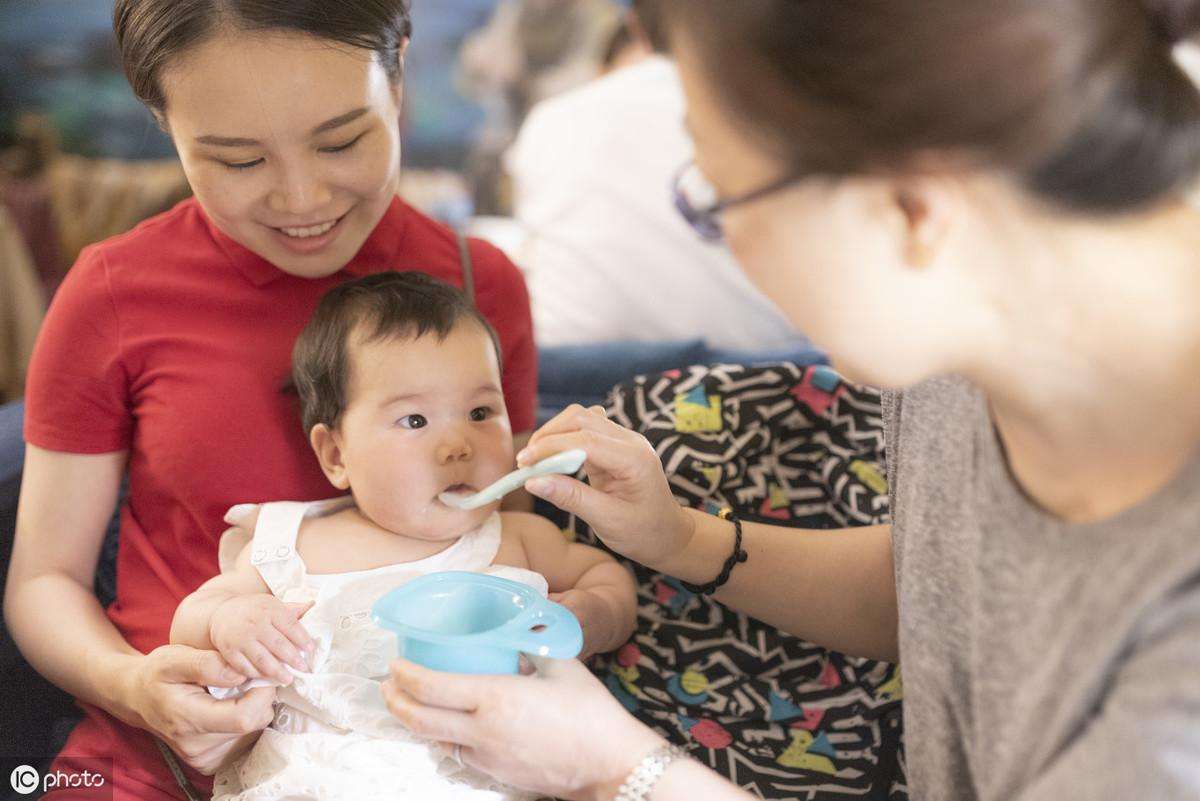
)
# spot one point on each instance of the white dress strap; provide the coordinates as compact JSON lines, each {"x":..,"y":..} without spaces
{"x":273,"y":549}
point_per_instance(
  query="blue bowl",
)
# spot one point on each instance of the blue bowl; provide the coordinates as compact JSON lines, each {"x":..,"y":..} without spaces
{"x":462,"y":622}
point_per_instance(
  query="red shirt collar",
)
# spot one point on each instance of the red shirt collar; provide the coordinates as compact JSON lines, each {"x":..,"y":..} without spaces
{"x":381,"y":248}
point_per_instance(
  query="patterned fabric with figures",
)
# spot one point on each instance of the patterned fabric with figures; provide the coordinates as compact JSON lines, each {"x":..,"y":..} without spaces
{"x":776,"y":715}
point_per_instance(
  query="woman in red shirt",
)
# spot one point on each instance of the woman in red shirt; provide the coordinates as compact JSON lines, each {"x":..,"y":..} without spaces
{"x":166,"y":350}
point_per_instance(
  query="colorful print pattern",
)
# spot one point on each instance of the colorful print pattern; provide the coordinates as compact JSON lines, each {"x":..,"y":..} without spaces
{"x":779,"y":717}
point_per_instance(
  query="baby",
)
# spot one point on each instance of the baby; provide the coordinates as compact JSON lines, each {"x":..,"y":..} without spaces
{"x":399,"y":384}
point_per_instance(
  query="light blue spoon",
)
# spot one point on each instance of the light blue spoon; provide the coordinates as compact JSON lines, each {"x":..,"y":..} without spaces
{"x":567,"y":462}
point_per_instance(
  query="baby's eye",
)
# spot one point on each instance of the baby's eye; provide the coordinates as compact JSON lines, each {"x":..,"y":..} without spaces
{"x":481,"y":413}
{"x":413,"y":421}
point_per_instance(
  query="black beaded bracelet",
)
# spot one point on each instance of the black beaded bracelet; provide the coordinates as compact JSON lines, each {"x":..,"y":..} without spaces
{"x":738,"y":556}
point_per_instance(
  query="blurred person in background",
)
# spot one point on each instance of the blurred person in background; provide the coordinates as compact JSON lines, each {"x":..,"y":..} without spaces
{"x":608,"y":259}
{"x":528,"y":50}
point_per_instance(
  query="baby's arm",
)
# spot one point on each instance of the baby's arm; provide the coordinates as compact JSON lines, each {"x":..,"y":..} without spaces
{"x":589,"y":582}
{"x":236,"y":614}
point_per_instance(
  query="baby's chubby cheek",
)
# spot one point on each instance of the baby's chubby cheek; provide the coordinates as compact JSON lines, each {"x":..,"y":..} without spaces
{"x":427,"y":519}
{"x":393,"y":508}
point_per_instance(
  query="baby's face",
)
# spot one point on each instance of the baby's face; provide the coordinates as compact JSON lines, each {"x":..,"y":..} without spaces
{"x":424,"y":416}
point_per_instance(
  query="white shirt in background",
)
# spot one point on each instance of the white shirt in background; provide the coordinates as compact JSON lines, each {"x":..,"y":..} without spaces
{"x":606,"y":255}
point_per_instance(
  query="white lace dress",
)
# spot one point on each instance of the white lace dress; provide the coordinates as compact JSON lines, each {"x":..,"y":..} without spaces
{"x":333,"y":737}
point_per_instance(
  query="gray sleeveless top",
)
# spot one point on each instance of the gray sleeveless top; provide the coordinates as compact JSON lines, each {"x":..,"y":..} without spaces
{"x":1042,"y":660}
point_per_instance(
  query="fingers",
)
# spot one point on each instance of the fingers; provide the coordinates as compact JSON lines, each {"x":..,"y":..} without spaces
{"x":297,"y":635}
{"x":608,"y":453}
{"x":181,"y":664}
{"x":265,"y":662}
{"x":573,"y":419}
{"x":569,"y":599}
{"x":298,"y":610}
{"x":284,"y":648}
{"x":430,"y":722}
{"x":446,"y":690}
{"x":576,"y":603}
{"x":557,"y":443}
{"x":239,"y":661}
{"x":565,"y":670}
{"x":251,"y":712}
{"x":570,"y":418}
{"x":571,"y":496}
{"x":256,"y":709}
{"x":465,"y":753}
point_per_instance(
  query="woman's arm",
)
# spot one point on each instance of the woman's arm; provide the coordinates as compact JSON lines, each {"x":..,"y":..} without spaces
{"x":835,"y":588}
{"x":686,"y":780}
{"x":65,"y":505}
{"x":49,"y":606}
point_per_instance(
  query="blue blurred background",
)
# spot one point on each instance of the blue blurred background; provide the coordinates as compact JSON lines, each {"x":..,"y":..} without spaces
{"x":58,"y":57}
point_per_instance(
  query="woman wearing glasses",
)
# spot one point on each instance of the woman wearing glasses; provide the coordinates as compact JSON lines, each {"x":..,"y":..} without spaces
{"x":986,"y":190}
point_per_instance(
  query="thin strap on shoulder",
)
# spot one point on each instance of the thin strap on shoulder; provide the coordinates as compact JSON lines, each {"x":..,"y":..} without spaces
{"x":468,"y":268}
{"x":273,"y":549}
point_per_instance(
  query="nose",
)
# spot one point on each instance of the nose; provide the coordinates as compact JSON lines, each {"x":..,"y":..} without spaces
{"x":454,"y":448}
{"x":299,"y":192}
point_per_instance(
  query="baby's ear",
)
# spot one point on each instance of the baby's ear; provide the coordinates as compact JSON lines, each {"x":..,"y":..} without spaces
{"x":329,"y":453}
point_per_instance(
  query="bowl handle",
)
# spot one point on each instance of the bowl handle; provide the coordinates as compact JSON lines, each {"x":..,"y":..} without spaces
{"x":546,"y":629}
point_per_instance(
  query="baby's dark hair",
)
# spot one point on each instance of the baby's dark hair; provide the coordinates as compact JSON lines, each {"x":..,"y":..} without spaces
{"x":383,"y":306}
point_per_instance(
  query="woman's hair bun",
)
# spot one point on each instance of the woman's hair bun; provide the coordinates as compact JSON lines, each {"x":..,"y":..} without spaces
{"x":1174,"y":20}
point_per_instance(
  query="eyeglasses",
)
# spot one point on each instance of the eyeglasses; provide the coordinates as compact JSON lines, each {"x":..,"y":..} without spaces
{"x":697,"y":200}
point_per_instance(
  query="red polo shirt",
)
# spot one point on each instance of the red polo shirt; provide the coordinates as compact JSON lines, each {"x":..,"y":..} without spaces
{"x":173,"y":342}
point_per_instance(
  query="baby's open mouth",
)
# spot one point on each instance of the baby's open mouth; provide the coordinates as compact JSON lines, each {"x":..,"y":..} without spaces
{"x":455,"y":494}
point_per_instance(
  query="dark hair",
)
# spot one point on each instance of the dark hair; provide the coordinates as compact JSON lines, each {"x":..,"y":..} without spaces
{"x":1080,"y":100}
{"x":379,"y":307}
{"x":152,"y":32}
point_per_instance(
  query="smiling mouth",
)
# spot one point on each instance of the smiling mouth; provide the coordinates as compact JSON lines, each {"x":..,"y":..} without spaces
{"x":305,"y":232}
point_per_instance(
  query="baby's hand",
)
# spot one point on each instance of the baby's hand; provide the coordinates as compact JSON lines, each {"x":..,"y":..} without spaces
{"x":257,"y":633}
{"x":595,"y":617}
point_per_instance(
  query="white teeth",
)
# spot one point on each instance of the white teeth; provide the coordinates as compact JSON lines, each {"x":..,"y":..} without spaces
{"x":304,"y":233}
